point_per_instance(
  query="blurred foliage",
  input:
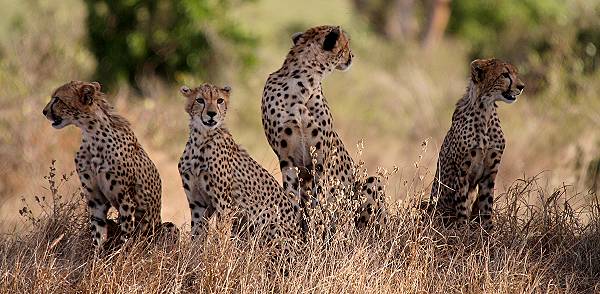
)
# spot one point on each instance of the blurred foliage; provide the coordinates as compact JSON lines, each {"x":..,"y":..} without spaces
{"x":40,"y":45}
{"x":396,"y":20}
{"x":540,"y":36}
{"x":132,"y":39}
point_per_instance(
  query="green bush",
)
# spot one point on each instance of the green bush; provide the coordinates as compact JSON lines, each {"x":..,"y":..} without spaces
{"x":135,"y":38}
{"x":541,"y":36}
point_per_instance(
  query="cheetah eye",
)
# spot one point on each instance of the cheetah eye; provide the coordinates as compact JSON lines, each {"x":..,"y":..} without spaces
{"x":200,"y":100}
{"x":220,"y":100}
{"x":505,"y":75}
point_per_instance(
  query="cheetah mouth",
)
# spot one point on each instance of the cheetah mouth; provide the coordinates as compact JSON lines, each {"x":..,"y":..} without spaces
{"x":57,"y":121}
{"x":210,"y":123}
{"x":344,"y":66}
{"x":509,"y":97}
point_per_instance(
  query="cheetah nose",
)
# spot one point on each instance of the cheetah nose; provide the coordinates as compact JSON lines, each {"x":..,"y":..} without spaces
{"x":521,"y":87}
{"x":211,"y":114}
{"x":44,"y":112}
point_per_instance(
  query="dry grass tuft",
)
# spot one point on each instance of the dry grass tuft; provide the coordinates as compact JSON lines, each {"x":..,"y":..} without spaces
{"x":544,"y":245}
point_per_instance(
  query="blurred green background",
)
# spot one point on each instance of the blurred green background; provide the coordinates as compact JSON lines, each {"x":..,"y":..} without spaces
{"x":411,"y":67}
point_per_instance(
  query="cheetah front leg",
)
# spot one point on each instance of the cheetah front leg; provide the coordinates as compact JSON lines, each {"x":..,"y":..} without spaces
{"x":201,"y":210}
{"x":461,"y":200}
{"x":482,"y":207}
{"x":147,"y":218}
{"x":126,"y":207}
{"x":466,"y":184}
{"x":98,"y":207}
{"x":120,"y":190}
{"x":301,"y":168}
{"x":97,"y":203}
{"x":372,"y":211}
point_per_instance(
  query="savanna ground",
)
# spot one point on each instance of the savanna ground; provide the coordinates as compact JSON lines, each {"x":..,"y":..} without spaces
{"x":396,"y":99}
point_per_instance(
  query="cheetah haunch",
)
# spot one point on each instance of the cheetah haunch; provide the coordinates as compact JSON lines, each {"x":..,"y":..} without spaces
{"x":470,"y":155}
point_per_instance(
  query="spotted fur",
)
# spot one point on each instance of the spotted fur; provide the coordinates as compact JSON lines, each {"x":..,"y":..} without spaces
{"x":296,"y":118}
{"x":113,"y":168}
{"x":470,"y":155}
{"x":219,"y":177}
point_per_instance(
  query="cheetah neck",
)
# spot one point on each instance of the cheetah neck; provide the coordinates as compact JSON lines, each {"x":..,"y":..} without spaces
{"x":104,"y":121}
{"x":101,"y":130}
{"x":301,"y":80}
{"x":95,"y":125}
{"x":473,"y":104}
{"x":297,"y":66}
{"x":200,"y":134}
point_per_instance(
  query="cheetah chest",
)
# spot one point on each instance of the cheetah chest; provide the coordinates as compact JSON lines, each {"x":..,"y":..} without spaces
{"x":99,"y":167}
{"x":478,"y":159}
{"x":477,"y":167}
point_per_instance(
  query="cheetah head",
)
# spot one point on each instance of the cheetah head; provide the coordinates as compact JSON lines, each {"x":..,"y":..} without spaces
{"x":328,"y":45}
{"x":496,"y":80}
{"x":207,"y":104}
{"x":71,"y":103}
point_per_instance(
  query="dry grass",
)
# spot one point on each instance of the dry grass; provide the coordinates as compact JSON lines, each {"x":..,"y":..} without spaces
{"x":394,"y":97}
{"x":547,"y":246}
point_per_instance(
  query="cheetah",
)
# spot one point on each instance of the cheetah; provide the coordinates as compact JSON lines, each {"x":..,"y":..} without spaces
{"x":112,"y":167}
{"x":219,"y":177}
{"x":472,"y":149}
{"x":299,"y":128}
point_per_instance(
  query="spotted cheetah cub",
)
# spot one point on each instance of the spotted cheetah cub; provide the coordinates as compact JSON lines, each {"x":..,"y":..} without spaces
{"x":219,"y":177}
{"x":472,"y":149}
{"x":314,"y":162}
{"x":113,"y":168}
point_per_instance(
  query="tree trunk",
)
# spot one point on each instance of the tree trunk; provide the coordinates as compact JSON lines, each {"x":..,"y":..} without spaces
{"x":436,"y":25}
{"x":401,"y":24}
{"x":393,"y":19}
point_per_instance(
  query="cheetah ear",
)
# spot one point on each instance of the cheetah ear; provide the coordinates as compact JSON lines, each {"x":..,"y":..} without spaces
{"x":227,"y":89}
{"x":97,"y":86}
{"x":185,"y":90}
{"x":477,"y":72}
{"x":296,"y":37}
{"x":87,"y":93}
{"x":331,"y":39}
